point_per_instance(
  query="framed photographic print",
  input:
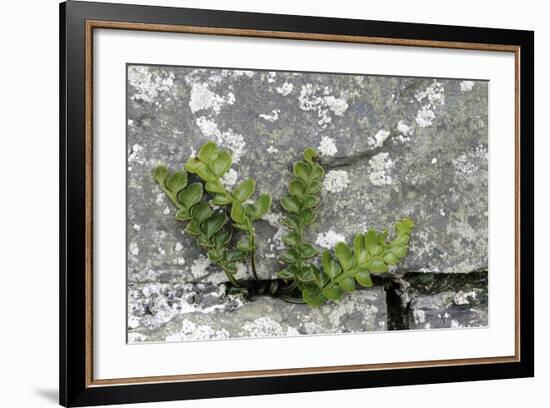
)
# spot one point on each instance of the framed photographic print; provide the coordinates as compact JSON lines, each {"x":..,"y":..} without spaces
{"x":256,"y":203}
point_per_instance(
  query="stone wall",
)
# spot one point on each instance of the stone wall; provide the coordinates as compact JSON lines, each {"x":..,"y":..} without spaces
{"x":392,"y":147}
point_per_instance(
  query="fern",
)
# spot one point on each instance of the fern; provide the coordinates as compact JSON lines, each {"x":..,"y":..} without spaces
{"x":213,"y":215}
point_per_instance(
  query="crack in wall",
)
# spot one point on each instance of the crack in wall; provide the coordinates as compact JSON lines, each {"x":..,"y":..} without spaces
{"x":403,"y":290}
{"x":350,"y":159}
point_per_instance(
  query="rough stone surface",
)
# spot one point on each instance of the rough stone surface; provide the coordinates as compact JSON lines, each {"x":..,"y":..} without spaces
{"x":392,"y":147}
{"x":363,"y":310}
{"x":445,"y":302}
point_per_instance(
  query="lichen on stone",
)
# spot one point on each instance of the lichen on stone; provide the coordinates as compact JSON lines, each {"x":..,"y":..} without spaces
{"x":467,"y":86}
{"x":336,"y":181}
{"x":149,"y":83}
{"x":380,"y":167}
{"x":329,"y":239}
{"x":327,"y":147}
{"x":391,"y":146}
{"x":285,"y":89}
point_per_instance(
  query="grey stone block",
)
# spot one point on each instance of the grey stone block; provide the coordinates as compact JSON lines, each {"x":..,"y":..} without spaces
{"x":392,"y":147}
{"x":446,"y":302}
{"x":159,"y":313}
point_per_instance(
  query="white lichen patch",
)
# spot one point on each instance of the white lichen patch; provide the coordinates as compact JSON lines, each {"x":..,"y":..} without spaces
{"x":229,"y":179}
{"x":336,"y":105}
{"x":405,"y":132}
{"x":379,"y":138}
{"x":467,"y":86}
{"x":318,"y":99}
{"x":425,"y":117}
{"x":199,"y":269}
{"x":149,"y":84}
{"x":403,"y":128}
{"x":135,"y":154}
{"x":272,"y":150}
{"x":263,"y":327}
{"x":178,"y":247}
{"x":271,"y":76}
{"x":434,"y":94}
{"x":192,"y":331}
{"x":336,"y":181}
{"x":203,"y":98}
{"x":285,"y":89}
{"x":270,"y":117}
{"x":228,"y":139}
{"x":208,"y":127}
{"x":327,"y":147}
{"x":434,"y":160}
{"x":329,"y":239}
{"x":432,"y":98}
{"x":380,"y":166}
{"x":233,"y":141}
{"x":133,"y":248}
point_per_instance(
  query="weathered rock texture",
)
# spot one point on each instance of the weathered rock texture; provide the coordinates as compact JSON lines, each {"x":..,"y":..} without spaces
{"x":431,"y":301}
{"x":392,"y":147}
{"x":188,"y":317}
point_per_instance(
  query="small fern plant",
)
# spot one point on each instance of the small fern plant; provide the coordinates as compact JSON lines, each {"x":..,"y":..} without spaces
{"x":372,"y":252}
{"x":210,"y":225}
{"x":214,"y":216}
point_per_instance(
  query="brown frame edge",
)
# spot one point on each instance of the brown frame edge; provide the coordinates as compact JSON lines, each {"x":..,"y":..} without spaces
{"x":118,"y":25}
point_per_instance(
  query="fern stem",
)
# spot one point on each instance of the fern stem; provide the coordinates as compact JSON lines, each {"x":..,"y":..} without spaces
{"x":290,"y":287}
{"x":231,"y":277}
{"x":291,"y":299}
{"x":253,"y":263}
{"x":252,"y":241}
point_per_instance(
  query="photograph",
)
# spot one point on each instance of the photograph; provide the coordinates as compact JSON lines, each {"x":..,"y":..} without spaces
{"x":274,"y":204}
{"x":269,"y":203}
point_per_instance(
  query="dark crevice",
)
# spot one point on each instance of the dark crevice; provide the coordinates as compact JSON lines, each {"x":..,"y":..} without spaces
{"x":344,"y":161}
{"x":429,"y":283}
{"x":398,"y":312}
{"x":399,"y":289}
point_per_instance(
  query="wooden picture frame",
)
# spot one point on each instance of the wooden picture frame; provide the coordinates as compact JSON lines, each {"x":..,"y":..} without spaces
{"x":78,"y":20}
